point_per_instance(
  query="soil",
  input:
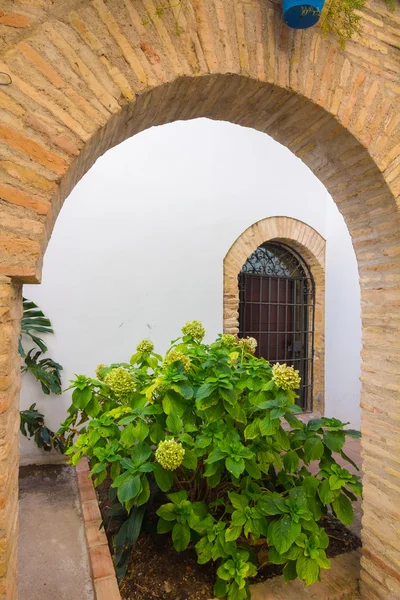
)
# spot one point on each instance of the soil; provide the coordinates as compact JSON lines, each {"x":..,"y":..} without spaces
{"x":157,"y":572}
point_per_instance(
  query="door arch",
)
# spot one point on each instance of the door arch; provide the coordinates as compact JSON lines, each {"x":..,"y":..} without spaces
{"x":277,"y":308}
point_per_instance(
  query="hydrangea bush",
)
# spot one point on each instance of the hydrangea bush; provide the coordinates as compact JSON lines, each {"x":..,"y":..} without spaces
{"x":209,"y":439}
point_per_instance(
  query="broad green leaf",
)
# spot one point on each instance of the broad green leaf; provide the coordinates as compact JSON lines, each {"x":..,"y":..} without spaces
{"x":272,"y":504}
{"x":164,"y":479}
{"x":291,"y":461}
{"x":238,"y":501}
{"x":252,"y":469}
{"x":269,"y":426}
{"x":334,"y":440}
{"x":173,"y":403}
{"x":234,"y":466}
{"x":313,"y":449}
{"x":220,"y":588}
{"x":307,"y":569}
{"x":190,"y":460}
{"x":310,"y":485}
{"x":167,"y":512}
{"x":205,"y":391}
{"x":233,"y":532}
{"x":343,"y":509}
{"x":290,"y":571}
{"x":164,"y":526}
{"x":180,"y":537}
{"x":325,"y":493}
{"x":157,"y":433}
{"x":284,"y":532}
{"x":178,"y":497}
{"x":252,"y":430}
{"x":204,"y":550}
{"x":129,"y":488}
{"x":81,"y":398}
{"x":145,"y":492}
{"x":174,"y":424}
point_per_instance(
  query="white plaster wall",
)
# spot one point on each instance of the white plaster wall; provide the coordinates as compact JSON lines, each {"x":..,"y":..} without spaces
{"x":138,"y":248}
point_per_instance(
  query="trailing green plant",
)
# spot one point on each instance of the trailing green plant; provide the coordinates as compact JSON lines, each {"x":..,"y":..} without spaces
{"x":209,"y":438}
{"x":32,"y":425}
{"x":46,"y":371}
{"x":340,"y":17}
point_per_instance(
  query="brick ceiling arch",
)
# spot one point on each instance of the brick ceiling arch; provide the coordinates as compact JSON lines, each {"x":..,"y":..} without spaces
{"x":87,"y":74}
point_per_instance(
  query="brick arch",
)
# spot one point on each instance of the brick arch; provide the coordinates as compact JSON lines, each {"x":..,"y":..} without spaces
{"x":88,"y":74}
{"x":311,"y":246}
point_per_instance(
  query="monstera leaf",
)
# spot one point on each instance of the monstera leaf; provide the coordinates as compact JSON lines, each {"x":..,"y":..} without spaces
{"x":46,"y":370}
{"x":33,"y":321}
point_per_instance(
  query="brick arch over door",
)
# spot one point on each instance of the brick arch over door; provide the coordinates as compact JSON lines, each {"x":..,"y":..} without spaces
{"x":88,"y":74}
{"x":311,"y":247}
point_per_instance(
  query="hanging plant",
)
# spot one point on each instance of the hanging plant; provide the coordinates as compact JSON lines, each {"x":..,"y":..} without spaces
{"x":301,"y":14}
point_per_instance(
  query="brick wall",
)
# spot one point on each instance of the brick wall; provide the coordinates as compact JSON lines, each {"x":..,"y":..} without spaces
{"x":87,"y":74}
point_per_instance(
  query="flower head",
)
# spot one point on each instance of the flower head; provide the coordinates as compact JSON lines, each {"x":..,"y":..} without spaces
{"x":98,"y":371}
{"x":145,"y":346}
{"x":228,"y":340}
{"x":195,"y":329}
{"x":170,"y":454}
{"x":249,"y":344}
{"x":174,"y":355}
{"x":120,"y":381}
{"x":286,"y":378}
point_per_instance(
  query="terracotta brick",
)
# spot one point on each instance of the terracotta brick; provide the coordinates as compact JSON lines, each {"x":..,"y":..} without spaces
{"x":107,"y":589}
{"x":90,"y":510}
{"x":94,"y":535}
{"x":100,"y":562}
{"x":13,"y":19}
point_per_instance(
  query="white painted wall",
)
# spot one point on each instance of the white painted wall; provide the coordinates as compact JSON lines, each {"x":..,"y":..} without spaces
{"x":138,"y":248}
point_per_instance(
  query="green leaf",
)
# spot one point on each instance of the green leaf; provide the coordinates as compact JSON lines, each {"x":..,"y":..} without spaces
{"x":343,"y":509}
{"x":129,"y":488}
{"x":252,"y":430}
{"x":164,"y":479}
{"x":235,"y":466}
{"x":325,"y":493}
{"x":173,"y":403}
{"x":283,"y":533}
{"x":272,"y":504}
{"x":238,"y":501}
{"x":269,"y":426}
{"x":205,"y":391}
{"x":190,"y":460}
{"x":156,"y":433}
{"x":252,"y":469}
{"x":204,"y":550}
{"x":180,"y":536}
{"x":313,"y":449}
{"x":233,"y":532}
{"x":167,"y":512}
{"x":307,"y":569}
{"x":164,"y":526}
{"x":174,"y":424}
{"x":290,"y":571}
{"x":178,"y":497}
{"x":81,"y":398}
{"x":145,"y":492}
{"x":291,"y":461}
{"x":220,"y":588}
{"x":334,"y":440}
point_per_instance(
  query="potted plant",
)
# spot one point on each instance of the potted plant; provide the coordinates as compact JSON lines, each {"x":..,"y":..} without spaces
{"x":301,"y":14}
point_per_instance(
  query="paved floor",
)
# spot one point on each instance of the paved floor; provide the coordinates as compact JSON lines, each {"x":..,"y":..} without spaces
{"x":53,"y":561}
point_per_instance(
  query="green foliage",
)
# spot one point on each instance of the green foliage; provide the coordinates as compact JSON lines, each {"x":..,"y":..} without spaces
{"x":32,"y":425}
{"x":340,"y":18}
{"x":45,"y":370}
{"x":210,"y":441}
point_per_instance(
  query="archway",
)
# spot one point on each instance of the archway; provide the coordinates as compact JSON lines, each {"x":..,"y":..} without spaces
{"x":87,"y":78}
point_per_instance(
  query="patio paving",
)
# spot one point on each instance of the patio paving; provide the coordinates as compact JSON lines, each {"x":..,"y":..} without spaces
{"x":53,"y":560}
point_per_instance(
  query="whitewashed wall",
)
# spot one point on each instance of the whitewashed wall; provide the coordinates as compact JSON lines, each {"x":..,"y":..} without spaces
{"x":138,"y":249}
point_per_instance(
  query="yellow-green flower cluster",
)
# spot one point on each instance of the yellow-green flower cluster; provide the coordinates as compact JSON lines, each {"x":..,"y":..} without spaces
{"x":170,"y":454}
{"x":249,"y":344}
{"x":286,"y":378}
{"x":228,"y":340}
{"x":98,"y":371}
{"x":145,"y":346}
{"x":120,"y":381}
{"x":195,"y":329}
{"x":174,"y":355}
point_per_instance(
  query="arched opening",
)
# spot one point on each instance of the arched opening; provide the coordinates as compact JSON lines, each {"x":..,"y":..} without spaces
{"x":277,"y":308}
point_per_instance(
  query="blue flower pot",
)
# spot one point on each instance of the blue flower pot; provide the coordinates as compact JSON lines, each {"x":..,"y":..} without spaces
{"x":300,"y":14}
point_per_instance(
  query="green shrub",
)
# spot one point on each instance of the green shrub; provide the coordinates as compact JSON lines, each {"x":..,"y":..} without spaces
{"x":200,"y":434}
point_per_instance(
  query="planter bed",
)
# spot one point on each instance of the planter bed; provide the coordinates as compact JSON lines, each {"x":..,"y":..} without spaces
{"x":157,"y":572}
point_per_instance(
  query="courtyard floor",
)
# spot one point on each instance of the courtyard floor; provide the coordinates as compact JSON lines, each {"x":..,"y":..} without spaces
{"x":53,"y":560}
